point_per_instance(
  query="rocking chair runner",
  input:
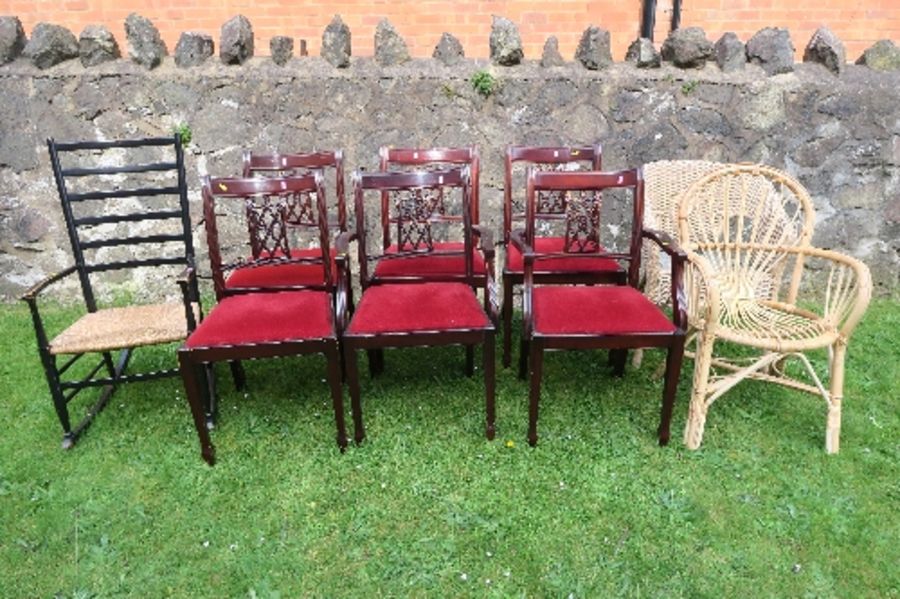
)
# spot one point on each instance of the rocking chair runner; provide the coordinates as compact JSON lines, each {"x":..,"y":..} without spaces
{"x":264,"y":322}
{"x":105,"y":220}
{"x":563,"y":315}
{"x":753,"y":276}
{"x":416,"y":310}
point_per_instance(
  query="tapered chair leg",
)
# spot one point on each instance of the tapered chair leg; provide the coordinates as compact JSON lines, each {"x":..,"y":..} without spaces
{"x":507,"y":321}
{"x":359,"y":431}
{"x":835,"y":396}
{"x":673,"y":370}
{"x":211,"y":397}
{"x":696,"y":418}
{"x":195,"y":401}
{"x":618,"y":357}
{"x":534,"y":396}
{"x":523,"y":358}
{"x":376,"y":361}
{"x":332,"y":354}
{"x":470,"y":360}
{"x":238,"y":374}
{"x":489,"y":384}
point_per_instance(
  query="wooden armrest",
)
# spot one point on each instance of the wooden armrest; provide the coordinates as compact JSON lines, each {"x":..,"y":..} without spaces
{"x":30,"y":295}
{"x":342,"y":243}
{"x":665,"y":243}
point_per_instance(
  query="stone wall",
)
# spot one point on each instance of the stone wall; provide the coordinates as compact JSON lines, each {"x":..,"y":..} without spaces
{"x":839,"y":135}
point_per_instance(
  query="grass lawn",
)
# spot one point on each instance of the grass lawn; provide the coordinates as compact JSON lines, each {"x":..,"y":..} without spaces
{"x":428,"y":507}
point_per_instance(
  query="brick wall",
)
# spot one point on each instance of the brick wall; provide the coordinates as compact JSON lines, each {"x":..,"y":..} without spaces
{"x":858,"y":23}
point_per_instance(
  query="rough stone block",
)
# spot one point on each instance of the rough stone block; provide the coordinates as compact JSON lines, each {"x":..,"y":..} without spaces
{"x":50,"y":45}
{"x":687,"y":48}
{"x":730,"y":53}
{"x":449,"y":50}
{"x":643,"y":54}
{"x":883,"y":55}
{"x":505,"y":42}
{"x":390,"y":48}
{"x":336,"y":43}
{"x":12,"y":39}
{"x":551,"y":57}
{"x":826,"y":49}
{"x":236,"y":40}
{"x":593,"y":50}
{"x":281,"y":48}
{"x":97,"y":45}
{"x":771,"y":49}
{"x":193,"y":49}
{"x":145,"y":46}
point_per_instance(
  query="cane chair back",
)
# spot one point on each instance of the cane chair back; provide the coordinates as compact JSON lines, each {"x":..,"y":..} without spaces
{"x":126,"y":211}
{"x":746,"y":230}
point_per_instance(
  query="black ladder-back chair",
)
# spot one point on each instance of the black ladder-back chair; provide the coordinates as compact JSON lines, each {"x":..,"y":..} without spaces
{"x":125,"y":207}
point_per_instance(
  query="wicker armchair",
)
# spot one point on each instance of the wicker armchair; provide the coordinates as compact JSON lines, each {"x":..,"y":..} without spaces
{"x":752,"y":278}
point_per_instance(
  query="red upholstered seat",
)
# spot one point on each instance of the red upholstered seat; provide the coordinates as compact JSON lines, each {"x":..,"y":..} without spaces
{"x":282,"y":275}
{"x":266,"y":317}
{"x":430,"y":265}
{"x":417,"y":307}
{"x":514,"y":262}
{"x":597,"y":310}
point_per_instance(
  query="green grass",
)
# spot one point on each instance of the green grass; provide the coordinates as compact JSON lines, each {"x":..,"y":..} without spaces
{"x":428,"y":507}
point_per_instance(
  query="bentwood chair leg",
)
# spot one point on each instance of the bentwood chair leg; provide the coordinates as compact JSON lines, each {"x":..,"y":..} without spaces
{"x":470,"y":360}
{"x":507,"y":321}
{"x":359,"y":431}
{"x":489,"y":384}
{"x":332,"y":354}
{"x":537,"y":368}
{"x":192,"y":389}
{"x":673,"y":372}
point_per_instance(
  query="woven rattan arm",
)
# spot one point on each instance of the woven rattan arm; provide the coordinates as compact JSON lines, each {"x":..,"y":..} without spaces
{"x":848,"y":289}
{"x":700,"y":290}
{"x":342,"y":289}
{"x":678,"y":259}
